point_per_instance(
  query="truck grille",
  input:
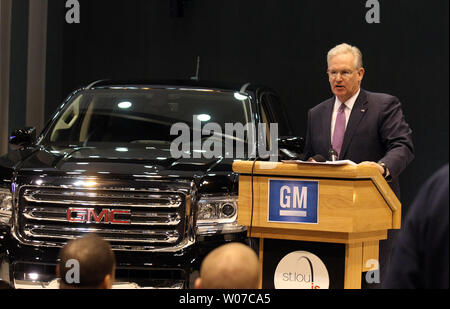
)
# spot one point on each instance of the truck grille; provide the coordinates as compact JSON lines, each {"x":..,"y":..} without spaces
{"x":129,"y":220}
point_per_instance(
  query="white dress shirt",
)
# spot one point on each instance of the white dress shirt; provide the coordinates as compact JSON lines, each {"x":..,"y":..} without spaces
{"x":348,"y":110}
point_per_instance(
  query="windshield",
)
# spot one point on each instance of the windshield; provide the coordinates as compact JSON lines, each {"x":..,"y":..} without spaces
{"x":142,"y":116}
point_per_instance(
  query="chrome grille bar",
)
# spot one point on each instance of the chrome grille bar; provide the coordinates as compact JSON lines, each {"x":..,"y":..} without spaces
{"x":152,"y":219}
{"x":48,"y":231}
{"x":137,"y":217}
{"x":115,"y":199}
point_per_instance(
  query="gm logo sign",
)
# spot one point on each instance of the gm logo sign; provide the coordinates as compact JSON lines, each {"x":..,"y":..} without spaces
{"x":293,"y":201}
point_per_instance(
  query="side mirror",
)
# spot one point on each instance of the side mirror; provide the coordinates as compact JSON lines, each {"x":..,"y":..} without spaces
{"x":23,"y":137}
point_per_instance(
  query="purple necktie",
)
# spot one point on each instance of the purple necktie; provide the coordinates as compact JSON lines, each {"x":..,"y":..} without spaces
{"x":339,"y":129}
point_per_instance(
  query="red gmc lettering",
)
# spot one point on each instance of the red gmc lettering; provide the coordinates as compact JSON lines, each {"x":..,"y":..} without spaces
{"x":81,"y":215}
{"x":88,"y":215}
{"x":97,"y":219}
{"x":114,"y":212}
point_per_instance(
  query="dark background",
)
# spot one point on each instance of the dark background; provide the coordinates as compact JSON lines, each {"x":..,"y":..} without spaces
{"x":280,"y":43}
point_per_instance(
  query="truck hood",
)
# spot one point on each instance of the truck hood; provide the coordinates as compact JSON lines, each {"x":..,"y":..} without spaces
{"x":117,"y":160}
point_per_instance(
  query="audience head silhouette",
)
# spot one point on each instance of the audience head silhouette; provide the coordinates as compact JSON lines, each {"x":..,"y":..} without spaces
{"x":86,"y":263}
{"x":231,"y":266}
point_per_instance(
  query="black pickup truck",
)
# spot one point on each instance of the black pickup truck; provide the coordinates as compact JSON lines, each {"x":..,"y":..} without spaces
{"x":103,"y":164}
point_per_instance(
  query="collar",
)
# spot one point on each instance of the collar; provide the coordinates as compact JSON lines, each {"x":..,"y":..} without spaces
{"x":349,"y":103}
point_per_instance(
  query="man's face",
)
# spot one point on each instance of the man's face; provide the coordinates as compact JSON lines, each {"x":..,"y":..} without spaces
{"x":344,"y":78}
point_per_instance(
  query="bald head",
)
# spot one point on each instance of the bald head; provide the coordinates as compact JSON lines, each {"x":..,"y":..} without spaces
{"x":95,"y":259}
{"x":231,"y":266}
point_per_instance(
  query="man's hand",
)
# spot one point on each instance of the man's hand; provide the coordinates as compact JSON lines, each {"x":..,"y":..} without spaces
{"x":374,"y":164}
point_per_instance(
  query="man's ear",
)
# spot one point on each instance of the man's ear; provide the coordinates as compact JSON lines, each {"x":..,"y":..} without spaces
{"x":58,"y":274}
{"x":361,"y":72}
{"x":198,"y":283}
{"x":107,"y":282}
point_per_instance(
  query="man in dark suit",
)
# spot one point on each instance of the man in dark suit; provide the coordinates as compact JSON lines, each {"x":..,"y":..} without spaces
{"x":364,"y":127}
{"x":420,"y":258}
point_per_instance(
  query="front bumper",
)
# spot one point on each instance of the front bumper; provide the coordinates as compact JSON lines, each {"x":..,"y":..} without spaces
{"x":28,"y":267}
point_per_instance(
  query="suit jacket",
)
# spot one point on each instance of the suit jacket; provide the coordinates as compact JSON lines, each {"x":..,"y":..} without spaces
{"x":376,"y":131}
{"x":420,"y":258}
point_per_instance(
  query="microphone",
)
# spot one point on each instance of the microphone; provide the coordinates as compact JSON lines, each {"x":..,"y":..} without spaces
{"x":333,"y":155}
{"x":319,"y":158}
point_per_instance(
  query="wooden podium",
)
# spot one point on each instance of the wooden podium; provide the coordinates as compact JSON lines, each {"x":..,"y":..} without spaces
{"x":356,"y":207}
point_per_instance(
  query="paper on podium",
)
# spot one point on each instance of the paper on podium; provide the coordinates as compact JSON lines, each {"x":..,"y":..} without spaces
{"x":338,"y":162}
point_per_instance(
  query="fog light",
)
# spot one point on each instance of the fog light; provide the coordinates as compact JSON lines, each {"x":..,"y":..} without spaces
{"x":228,"y":210}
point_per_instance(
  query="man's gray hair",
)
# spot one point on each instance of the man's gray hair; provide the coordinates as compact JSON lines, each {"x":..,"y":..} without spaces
{"x":345,"y":48}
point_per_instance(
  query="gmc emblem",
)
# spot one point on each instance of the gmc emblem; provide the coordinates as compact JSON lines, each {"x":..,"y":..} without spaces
{"x":88,"y":215}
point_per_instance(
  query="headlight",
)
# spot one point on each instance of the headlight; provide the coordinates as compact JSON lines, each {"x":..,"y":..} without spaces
{"x":5,"y":206}
{"x":217,"y":214}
